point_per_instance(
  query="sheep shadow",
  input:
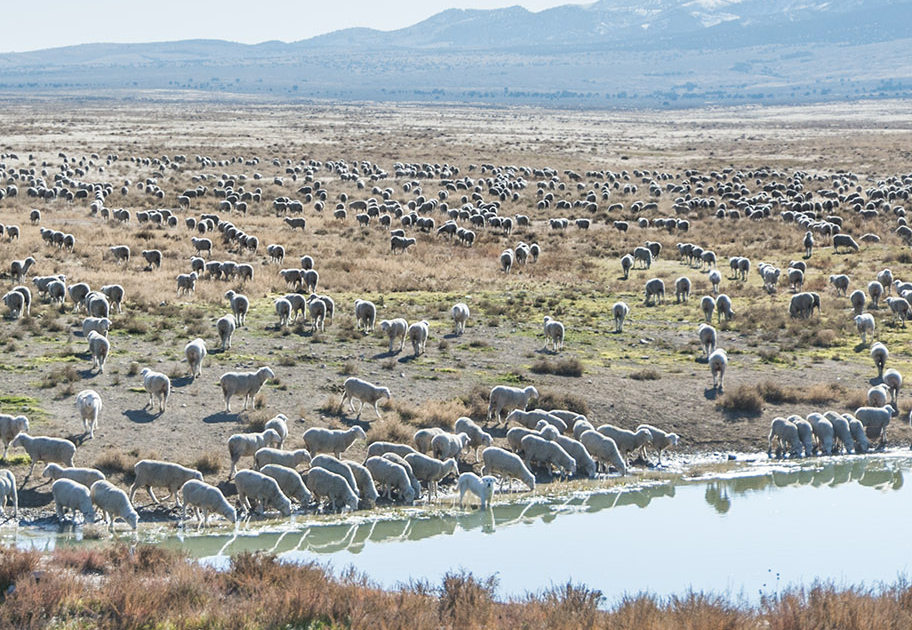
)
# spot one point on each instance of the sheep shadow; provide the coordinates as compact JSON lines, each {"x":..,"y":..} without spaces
{"x":355,"y":422}
{"x":409,"y":358}
{"x":87,"y":374}
{"x":876,"y":380}
{"x":860,"y":347}
{"x":703,"y":360}
{"x":222,"y":416}
{"x":710,"y":393}
{"x":141,"y":416}
{"x":33,"y":498}
{"x":385,"y":355}
{"x":182,"y":381}
{"x":78,"y":440}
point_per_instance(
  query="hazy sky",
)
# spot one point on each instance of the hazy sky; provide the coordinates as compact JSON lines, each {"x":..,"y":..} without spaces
{"x":55,"y":23}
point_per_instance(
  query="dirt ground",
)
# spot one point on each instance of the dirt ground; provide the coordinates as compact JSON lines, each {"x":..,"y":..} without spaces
{"x":653,"y":372}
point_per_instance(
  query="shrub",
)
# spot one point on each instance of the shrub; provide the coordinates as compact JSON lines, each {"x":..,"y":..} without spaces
{"x":562,"y":367}
{"x":208,"y":463}
{"x":562,"y":400}
{"x":646,"y":374}
{"x":744,"y":399}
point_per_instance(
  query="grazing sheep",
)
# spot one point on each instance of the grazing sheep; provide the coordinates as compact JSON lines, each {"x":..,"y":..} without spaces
{"x":317,"y":309}
{"x":97,"y":305}
{"x":724,"y":308}
{"x":8,"y":493}
{"x":113,"y":503}
{"x":840,"y":283}
{"x":201,"y":245}
{"x":801,"y":305}
{"x":379,"y":448}
{"x":247,"y":444}
{"x":841,"y":431}
{"x":541,"y":450}
{"x":389,"y":476}
{"x":626,"y":265}
{"x":264,"y":491}
{"x":73,"y":496}
{"x":875,"y":421}
{"x":857,"y":431}
{"x":290,"y":459}
{"x":205,"y":499}
{"x":824,"y":435}
{"x":620,"y":310}
{"x":644,"y":256}
{"x":900,"y":308}
{"x":418,"y":334}
{"x":708,"y":305}
{"x":15,"y":302}
{"x":715,"y":279}
{"x":336,"y":465}
{"x":279,"y":424}
{"x":516,"y":434}
{"x":88,"y":406}
{"x":805,"y":434}
{"x":423,"y":438}
{"x":655,"y":291}
{"x":893,"y":381}
{"x":718,"y":362}
{"x":604,"y":450}
{"x":394,"y":329}
{"x":226,"y":326}
{"x":876,"y":291}
{"x":358,"y":389}
{"x":195,"y":352}
{"x":878,"y":396}
{"x":481,"y":487}
{"x":45,"y":449}
{"x":505,"y":397}
{"x":430,"y":470}
{"x":324,"y":483}
{"x":865,"y":325}
{"x":478,"y":438}
{"x":365,"y":315}
{"x":506,"y":260}
{"x":151,"y":473}
{"x":239,"y":306}
{"x":56,"y":291}
{"x":581,"y":425}
{"x":158,"y":386}
{"x":85,"y":476}
{"x":786,"y":435}
{"x":446,"y":445}
{"x":246,"y":384}
{"x":530,"y":419}
{"x":336,"y":441}
{"x":10,"y":427}
{"x":844,"y":240}
{"x":101,"y":325}
{"x":554,"y":334}
{"x":506,"y":465}
{"x":682,"y":289}
{"x":627,"y":441}
{"x":366,"y":487}
{"x":290,"y":483}
{"x":585,"y":465}
{"x":120,"y":253}
{"x":186,"y":283}
{"x":857,"y":299}
{"x":880,"y":354}
{"x":460,"y":315}
{"x":660,"y":440}
{"x":707,"y":335}
{"x":153,"y":257}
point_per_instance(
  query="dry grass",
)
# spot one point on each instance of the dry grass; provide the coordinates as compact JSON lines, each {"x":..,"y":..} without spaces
{"x":208,"y":463}
{"x":744,"y":399}
{"x":559,"y":367}
{"x":646,"y":374}
{"x":390,"y":429}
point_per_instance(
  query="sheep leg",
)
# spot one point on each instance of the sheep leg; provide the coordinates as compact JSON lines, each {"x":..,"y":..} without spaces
{"x":376,"y":411}
{"x":152,"y":494}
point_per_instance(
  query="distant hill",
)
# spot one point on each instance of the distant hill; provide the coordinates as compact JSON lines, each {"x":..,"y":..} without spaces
{"x":611,"y":53}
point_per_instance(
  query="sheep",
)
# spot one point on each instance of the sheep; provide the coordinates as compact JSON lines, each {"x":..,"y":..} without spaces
{"x":655,"y":291}
{"x":554,"y":334}
{"x":336,"y":441}
{"x":158,"y":386}
{"x":391,"y":476}
{"x":336,"y":465}
{"x":516,"y":434}
{"x":97,"y":305}
{"x":585,"y":465}
{"x":509,"y":398}
{"x":85,"y":476}
{"x":358,"y":389}
{"x":418,"y":334}
{"x":394,"y":329}
{"x":538,"y":449}
{"x":19,"y":268}
{"x":153,"y":257}
{"x":10,"y":427}
{"x":481,"y":487}
{"x":150,"y":473}
{"x":317,"y":309}
{"x":381,"y":448}
{"x":263,"y":490}
{"x":626,"y":265}
{"x":113,"y":503}
{"x":801,"y":305}
{"x":893,"y":381}
{"x":73,"y":496}
{"x":246,"y":384}
{"x":56,"y":291}
{"x":478,"y":438}
{"x":279,"y":424}
{"x":15,"y":302}
{"x":865,"y":324}
{"x":841,"y":283}
{"x":604,"y":450}
{"x":626,"y":441}
{"x":367,"y":490}
{"x":247,"y":444}
{"x":841,"y":431}
{"x":718,"y":362}
{"x":715,"y":279}
{"x":8,"y":493}
{"x":581,"y":425}
{"x":239,"y":306}
{"x":225,"y":326}
{"x":201,"y":245}
{"x":101,"y":325}
{"x":857,"y":300}
{"x":506,"y":260}
{"x":46,"y":449}
{"x":506,"y":465}
{"x":878,"y":396}
{"x":808,"y":243}
{"x":431,"y":470}
{"x":460,"y":315}
{"x":290,"y":483}
{"x":290,"y":459}
{"x":365,"y":315}
{"x":901,"y":308}
{"x":446,"y":445}
{"x":423,"y":438}
{"x":786,"y":435}
{"x":876,"y":291}
{"x":708,"y":305}
{"x":205,"y":499}
{"x":682,"y":289}
{"x":660,"y":440}
{"x":857,"y":431}
{"x":99,"y":346}
{"x":120,"y":253}
{"x":195,"y":352}
{"x":707,"y":335}
{"x":88,"y":405}
{"x":880,"y":354}
{"x":875,"y":421}
{"x":620,"y":310}
{"x":805,"y":434}
{"x":724,"y":307}
{"x":643,"y":255}
{"x":844,"y":240}
{"x":324,"y":483}
{"x":824,"y":435}
{"x":530,"y":419}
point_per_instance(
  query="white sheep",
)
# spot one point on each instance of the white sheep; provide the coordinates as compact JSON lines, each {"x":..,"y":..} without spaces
{"x":101,"y":325}
{"x":876,"y":291}
{"x":715,"y":279}
{"x":324,"y":483}
{"x":708,"y":305}
{"x":380,"y":448}
{"x":892,"y":379}
{"x":786,"y":435}
{"x":858,"y":298}
{"x":413,"y":480}
{"x":226,"y":326}
{"x":158,"y":386}
{"x":390,"y":476}
{"x":446,"y":445}
{"x":875,"y":421}
{"x":840,"y":282}
{"x":824,"y":436}
{"x":506,"y":465}
{"x":367,"y":490}
{"x":279,"y":424}
{"x":205,"y":499}
{"x":10,"y":427}
{"x":149,"y":473}
{"x":45,"y":449}
{"x":605,"y":451}
{"x":8,"y":493}
{"x":15,"y":302}
{"x":585,"y":465}
{"x":505,"y":397}
{"x":460,"y":314}
{"x":724,"y":308}
{"x":707,"y":335}
{"x":290,"y":483}
{"x":627,"y":441}
{"x":264,"y":491}
{"x":880,"y":354}
{"x":186,"y":283}
{"x":878,"y":396}
{"x":478,"y":437}
{"x":682,"y":289}
{"x":554,"y":334}
{"x":506,"y":260}
{"x":423,"y":438}
{"x":195,"y":352}
{"x":395,"y":329}
{"x":88,"y":406}
{"x":247,"y":444}
{"x":626,"y":265}
{"x":620,"y":310}
{"x":365,"y":315}
{"x":857,"y":430}
{"x":865,"y":325}
{"x":336,"y":441}
{"x":530,"y":419}
{"x":85,"y":476}
{"x":430,"y":470}
{"x":317,"y":309}
{"x":336,"y":465}
{"x":516,"y":434}
{"x":113,"y":503}
{"x":283,"y":309}
{"x":538,"y":449}
{"x":805,"y":434}
{"x":481,"y":487}
{"x":655,"y":291}
{"x":358,"y":389}
{"x":718,"y":362}
{"x":418,"y":334}
{"x":841,"y":431}
{"x":73,"y":496}
{"x":289,"y":459}
{"x":581,"y":425}
{"x":99,"y":347}
{"x":246,"y":384}
{"x":239,"y":306}
{"x":660,"y":440}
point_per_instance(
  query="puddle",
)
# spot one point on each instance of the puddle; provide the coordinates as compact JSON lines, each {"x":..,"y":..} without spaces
{"x":752,"y":530}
